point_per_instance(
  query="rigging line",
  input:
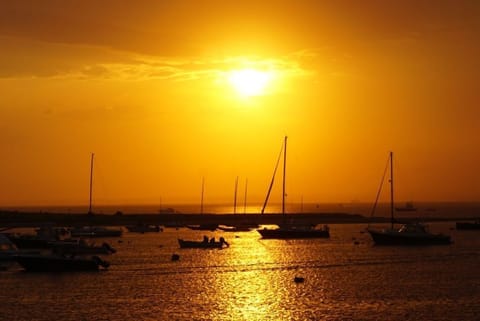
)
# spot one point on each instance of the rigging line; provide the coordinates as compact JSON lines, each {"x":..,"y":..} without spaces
{"x":273,"y":178}
{"x":379,"y":189}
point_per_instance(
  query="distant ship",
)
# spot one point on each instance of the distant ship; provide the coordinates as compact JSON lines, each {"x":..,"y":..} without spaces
{"x":409,"y":207}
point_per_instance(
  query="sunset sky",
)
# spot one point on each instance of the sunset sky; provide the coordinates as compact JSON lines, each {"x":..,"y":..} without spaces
{"x":154,"y":89}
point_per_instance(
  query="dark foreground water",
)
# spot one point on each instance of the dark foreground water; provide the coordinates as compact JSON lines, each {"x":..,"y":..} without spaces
{"x":253,"y":280}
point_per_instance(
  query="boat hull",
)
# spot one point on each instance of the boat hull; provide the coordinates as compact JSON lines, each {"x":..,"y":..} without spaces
{"x":293,"y":234}
{"x":72,"y":248}
{"x":51,"y":263}
{"x":90,"y":233}
{"x":235,"y":228}
{"x":467,"y":226}
{"x":395,"y":238}
{"x":143,"y":229}
{"x":200,"y":244}
{"x":29,"y":242}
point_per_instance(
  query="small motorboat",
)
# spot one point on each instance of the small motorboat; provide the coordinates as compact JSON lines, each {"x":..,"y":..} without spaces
{"x":205,"y":244}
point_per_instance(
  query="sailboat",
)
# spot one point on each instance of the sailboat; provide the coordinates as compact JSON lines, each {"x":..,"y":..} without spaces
{"x":407,"y":234}
{"x":94,"y":231}
{"x":240,"y":226}
{"x":289,"y":230}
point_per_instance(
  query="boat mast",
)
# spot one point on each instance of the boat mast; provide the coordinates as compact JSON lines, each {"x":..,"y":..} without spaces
{"x":201,"y":201}
{"x":284,"y":171}
{"x":235,"y":197}
{"x":273,"y":176}
{"x":91,"y":185}
{"x":391,"y":191}
{"x":245,"y":197}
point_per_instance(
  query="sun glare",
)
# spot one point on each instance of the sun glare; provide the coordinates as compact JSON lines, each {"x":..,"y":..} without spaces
{"x":249,"y":82}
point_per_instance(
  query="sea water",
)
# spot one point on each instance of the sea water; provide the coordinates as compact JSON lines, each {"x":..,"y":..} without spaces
{"x":345,"y":277}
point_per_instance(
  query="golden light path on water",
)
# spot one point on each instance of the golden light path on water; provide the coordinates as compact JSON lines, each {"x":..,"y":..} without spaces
{"x":254,"y":294}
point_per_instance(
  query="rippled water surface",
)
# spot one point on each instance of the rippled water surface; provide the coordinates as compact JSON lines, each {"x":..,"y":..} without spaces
{"x":346,"y":278}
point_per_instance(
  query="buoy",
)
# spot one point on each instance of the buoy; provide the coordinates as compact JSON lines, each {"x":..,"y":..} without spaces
{"x":175,"y":257}
{"x":298,"y":279}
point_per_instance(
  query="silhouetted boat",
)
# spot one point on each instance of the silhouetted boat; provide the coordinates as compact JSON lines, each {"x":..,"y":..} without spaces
{"x":244,"y":225}
{"x":8,"y":250}
{"x":203,"y":227}
{"x":468,"y":225}
{"x":295,"y":232}
{"x":205,"y":244}
{"x":407,"y":234}
{"x":81,"y":247}
{"x":173,"y":224}
{"x":409,"y":207}
{"x":58,"y":263}
{"x":95,"y":231}
{"x":289,"y":230}
{"x":143,"y":228}
{"x":235,"y":228}
{"x":42,"y":238}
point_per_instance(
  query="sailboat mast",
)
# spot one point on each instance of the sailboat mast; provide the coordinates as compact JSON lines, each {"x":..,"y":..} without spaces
{"x":235,"y":197}
{"x":273,"y":177}
{"x":201,"y":201}
{"x":284,"y":171}
{"x":391,"y":191}
{"x":245,"y":197}
{"x":91,"y":185}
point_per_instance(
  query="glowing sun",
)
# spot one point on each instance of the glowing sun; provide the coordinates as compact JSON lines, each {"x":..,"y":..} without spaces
{"x":249,"y":82}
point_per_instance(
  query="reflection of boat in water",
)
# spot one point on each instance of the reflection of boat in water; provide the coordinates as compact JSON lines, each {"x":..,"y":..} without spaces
{"x":407,"y":234}
{"x":205,"y":244}
{"x":58,"y":263}
{"x":409,"y":207}
{"x":95,"y":231}
{"x":143,"y":228}
{"x":290,"y":230}
{"x":468,"y":225}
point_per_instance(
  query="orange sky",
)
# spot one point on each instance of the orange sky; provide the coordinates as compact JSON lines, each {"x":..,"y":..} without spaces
{"x":143,"y":85}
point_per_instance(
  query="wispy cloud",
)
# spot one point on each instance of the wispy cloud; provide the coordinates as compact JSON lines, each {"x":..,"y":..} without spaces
{"x":187,"y":69}
{"x":23,"y":58}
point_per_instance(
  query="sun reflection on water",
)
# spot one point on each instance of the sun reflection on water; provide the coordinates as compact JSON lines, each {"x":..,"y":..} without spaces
{"x":251,"y":294}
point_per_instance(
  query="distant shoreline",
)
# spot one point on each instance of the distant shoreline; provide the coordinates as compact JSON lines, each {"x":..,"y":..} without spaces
{"x":10,"y":219}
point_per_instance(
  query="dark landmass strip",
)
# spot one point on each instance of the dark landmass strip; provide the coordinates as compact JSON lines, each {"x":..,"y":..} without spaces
{"x":22,"y":219}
